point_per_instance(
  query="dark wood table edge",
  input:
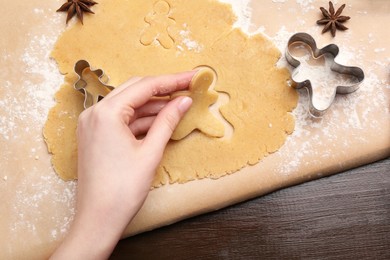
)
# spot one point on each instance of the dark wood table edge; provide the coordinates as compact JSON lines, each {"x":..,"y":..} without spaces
{"x":214,"y":227}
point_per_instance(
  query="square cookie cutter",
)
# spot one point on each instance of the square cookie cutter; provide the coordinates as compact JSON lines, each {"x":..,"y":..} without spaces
{"x":331,"y":49}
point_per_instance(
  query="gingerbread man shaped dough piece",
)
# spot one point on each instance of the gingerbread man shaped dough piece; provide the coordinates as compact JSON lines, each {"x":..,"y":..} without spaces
{"x":199,"y":116}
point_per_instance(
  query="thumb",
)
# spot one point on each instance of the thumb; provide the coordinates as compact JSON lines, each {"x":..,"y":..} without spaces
{"x":166,"y":122}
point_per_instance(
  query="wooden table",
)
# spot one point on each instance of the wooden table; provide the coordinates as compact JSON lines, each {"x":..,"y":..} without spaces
{"x":345,"y":216}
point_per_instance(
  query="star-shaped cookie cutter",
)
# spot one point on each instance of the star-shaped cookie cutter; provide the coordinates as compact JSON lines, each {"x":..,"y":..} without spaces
{"x":333,"y":50}
{"x":101,"y":89}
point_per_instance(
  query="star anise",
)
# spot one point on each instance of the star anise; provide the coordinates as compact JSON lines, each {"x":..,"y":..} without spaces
{"x":333,"y":20}
{"x":78,"y":7}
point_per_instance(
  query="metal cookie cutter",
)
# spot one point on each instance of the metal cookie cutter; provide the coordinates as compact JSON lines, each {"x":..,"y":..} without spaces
{"x":92,"y":83}
{"x":333,"y":50}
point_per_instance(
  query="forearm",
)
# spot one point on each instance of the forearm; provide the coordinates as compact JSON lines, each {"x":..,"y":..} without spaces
{"x":99,"y":225}
{"x":88,"y":238}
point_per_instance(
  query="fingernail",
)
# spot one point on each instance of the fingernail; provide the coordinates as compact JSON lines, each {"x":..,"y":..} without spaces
{"x":185,"y":104}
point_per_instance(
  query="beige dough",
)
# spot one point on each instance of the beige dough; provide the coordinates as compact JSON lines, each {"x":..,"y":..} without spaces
{"x":259,"y":98}
{"x":199,"y":116}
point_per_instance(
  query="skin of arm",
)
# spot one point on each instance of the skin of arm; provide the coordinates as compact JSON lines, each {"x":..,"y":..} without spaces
{"x":121,"y":141}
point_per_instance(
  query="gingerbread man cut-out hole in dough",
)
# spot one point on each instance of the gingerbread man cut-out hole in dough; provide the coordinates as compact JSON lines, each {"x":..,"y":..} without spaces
{"x":159,"y":22}
{"x":199,"y":116}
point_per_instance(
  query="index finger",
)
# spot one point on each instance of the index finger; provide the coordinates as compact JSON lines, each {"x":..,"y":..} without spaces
{"x":147,"y":87}
{"x":123,"y":86}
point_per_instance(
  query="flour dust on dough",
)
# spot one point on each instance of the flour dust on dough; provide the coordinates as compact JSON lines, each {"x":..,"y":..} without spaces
{"x":260,"y":101}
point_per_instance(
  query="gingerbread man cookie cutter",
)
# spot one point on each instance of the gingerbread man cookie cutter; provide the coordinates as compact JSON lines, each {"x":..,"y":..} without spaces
{"x":91,"y":83}
{"x":333,"y":50}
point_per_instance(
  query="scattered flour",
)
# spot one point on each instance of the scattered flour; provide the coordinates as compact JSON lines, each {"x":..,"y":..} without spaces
{"x":187,"y":42}
{"x":29,"y":99}
{"x":243,"y":12}
{"x":31,"y":195}
{"x":304,"y":141}
{"x":305,"y":5}
{"x":377,"y":50}
{"x":40,"y":93}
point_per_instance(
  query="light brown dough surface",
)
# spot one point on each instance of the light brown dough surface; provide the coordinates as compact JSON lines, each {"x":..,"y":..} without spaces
{"x":259,"y":97}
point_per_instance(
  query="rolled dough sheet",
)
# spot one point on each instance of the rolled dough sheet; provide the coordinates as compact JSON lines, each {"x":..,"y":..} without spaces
{"x":260,"y":100}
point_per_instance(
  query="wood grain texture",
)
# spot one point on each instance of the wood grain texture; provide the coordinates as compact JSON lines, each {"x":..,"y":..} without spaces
{"x":345,"y":216}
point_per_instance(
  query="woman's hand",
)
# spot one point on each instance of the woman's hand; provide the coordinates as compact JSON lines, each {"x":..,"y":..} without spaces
{"x":115,"y":167}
